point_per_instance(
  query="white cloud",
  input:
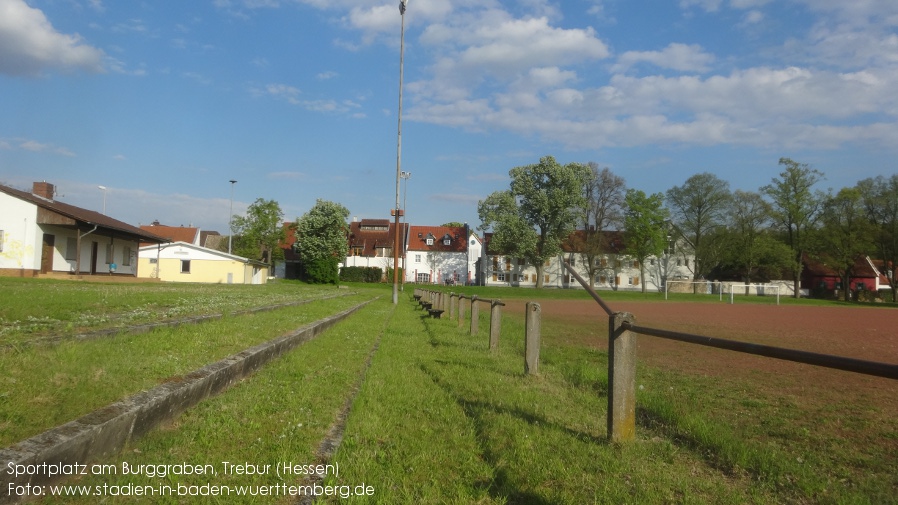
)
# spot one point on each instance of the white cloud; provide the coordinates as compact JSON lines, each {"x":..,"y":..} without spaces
{"x":35,"y":147}
{"x":29,"y":44}
{"x":680,"y":57}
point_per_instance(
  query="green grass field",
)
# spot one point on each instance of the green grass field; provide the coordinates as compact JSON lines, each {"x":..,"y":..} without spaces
{"x":441,"y":419}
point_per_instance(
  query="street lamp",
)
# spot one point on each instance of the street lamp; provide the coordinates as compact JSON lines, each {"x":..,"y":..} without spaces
{"x":406,"y":176}
{"x":104,"y":198}
{"x":397,"y":210}
{"x":231,"y":216}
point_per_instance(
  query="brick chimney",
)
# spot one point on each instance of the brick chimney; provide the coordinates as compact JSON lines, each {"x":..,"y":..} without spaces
{"x":44,"y":190}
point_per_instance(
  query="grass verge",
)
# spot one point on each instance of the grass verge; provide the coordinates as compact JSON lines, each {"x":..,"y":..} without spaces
{"x":278,"y":415}
{"x":45,"y":386}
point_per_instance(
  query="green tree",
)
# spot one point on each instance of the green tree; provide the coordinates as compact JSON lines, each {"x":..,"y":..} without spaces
{"x":846,"y":234}
{"x":750,"y":250}
{"x":880,"y":199}
{"x":645,"y":223}
{"x":259,"y":234}
{"x":603,"y":198}
{"x":453,"y":224}
{"x":795,"y":209}
{"x":698,"y":210}
{"x":533,"y":217}
{"x":321,"y":241}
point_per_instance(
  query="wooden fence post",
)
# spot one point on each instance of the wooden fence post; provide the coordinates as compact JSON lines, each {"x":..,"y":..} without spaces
{"x":475,"y":314}
{"x":461,"y":310}
{"x":495,"y":323}
{"x":531,"y":338}
{"x":452,"y":297}
{"x":621,"y":378}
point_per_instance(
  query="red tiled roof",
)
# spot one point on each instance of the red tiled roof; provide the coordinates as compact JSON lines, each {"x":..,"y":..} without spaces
{"x":172,"y":233}
{"x":458,"y":241}
{"x":365,"y":242}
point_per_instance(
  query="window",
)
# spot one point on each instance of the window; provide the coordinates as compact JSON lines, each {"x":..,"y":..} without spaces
{"x":447,"y":241}
{"x":71,"y":248}
{"x":500,"y":276}
{"x":507,"y":263}
{"x":417,"y":258}
{"x":126,"y":256}
{"x":109,"y":251}
{"x":573,"y":261}
{"x":185,"y":266}
{"x":423,"y":278}
{"x":356,"y":250}
{"x":546,"y":278}
{"x":153,"y":261}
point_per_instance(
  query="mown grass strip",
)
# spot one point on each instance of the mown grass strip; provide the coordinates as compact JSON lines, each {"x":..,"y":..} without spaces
{"x":43,"y":387}
{"x":443,"y":420}
{"x":278,"y":415}
{"x":31,"y":308}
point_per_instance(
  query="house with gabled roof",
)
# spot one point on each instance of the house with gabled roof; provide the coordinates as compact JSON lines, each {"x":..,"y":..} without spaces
{"x":371,"y":243}
{"x":40,"y":235}
{"x":442,"y":255}
{"x":820,"y":277}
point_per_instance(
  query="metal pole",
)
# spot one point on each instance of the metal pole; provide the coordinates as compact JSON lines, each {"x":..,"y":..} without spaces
{"x":231,"y":216}
{"x":397,"y":209}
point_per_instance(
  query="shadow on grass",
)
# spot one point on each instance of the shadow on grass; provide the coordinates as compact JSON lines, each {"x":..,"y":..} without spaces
{"x":503,"y":485}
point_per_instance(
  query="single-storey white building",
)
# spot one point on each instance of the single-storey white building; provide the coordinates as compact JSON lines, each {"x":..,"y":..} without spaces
{"x":40,"y":235}
{"x":183,"y":262}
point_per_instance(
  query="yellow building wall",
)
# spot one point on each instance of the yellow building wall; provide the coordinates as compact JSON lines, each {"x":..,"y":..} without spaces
{"x":205,"y":271}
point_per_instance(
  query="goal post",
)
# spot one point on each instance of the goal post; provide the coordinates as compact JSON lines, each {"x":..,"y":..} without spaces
{"x":728,"y":290}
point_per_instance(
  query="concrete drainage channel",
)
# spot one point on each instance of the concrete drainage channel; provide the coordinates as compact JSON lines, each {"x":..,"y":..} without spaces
{"x":108,"y":430}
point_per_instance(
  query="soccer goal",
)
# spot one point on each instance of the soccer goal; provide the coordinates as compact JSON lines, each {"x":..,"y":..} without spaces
{"x":723,"y":290}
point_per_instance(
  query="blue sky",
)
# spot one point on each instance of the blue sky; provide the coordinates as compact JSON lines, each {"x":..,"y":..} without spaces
{"x":164,"y":102}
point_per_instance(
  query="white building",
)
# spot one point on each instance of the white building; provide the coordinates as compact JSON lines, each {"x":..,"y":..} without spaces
{"x":442,"y":255}
{"x":612,"y":269}
{"x":42,"y":236}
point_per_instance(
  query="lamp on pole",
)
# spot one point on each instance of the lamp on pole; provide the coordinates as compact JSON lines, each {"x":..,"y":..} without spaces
{"x":397,"y":210}
{"x":104,"y":198}
{"x":231,"y":216}
{"x":406,"y":176}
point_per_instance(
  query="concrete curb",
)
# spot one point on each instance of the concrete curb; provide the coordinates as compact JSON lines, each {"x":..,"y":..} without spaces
{"x":108,"y":430}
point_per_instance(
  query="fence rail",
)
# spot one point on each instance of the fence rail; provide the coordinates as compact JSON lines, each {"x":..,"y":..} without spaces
{"x":622,"y":361}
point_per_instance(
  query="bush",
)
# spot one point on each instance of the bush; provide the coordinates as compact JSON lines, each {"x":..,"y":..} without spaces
{"x":361,"y":274}
{"x":322,"y":271}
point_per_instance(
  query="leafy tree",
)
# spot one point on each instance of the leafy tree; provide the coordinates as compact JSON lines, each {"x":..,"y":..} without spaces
{"x":795,"y":209}
{"x":846,"y":234}
{"x":698,"y":210}
{"x":531,"y":219}
{"x":453,"y":224}
{"x":259,"y":233}
{"x":750,"y":249}
{"x":646,"y":229}
{"x":880,"y":199}
{"x":321,"y":241}
{"x":603,"y":196}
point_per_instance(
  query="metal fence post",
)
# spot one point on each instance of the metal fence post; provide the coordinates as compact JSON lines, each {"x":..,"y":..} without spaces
{"x":475,"y":314}
{"x":531,"y":338}
{"x":621,"y":378}
{"x":495,"y":323}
